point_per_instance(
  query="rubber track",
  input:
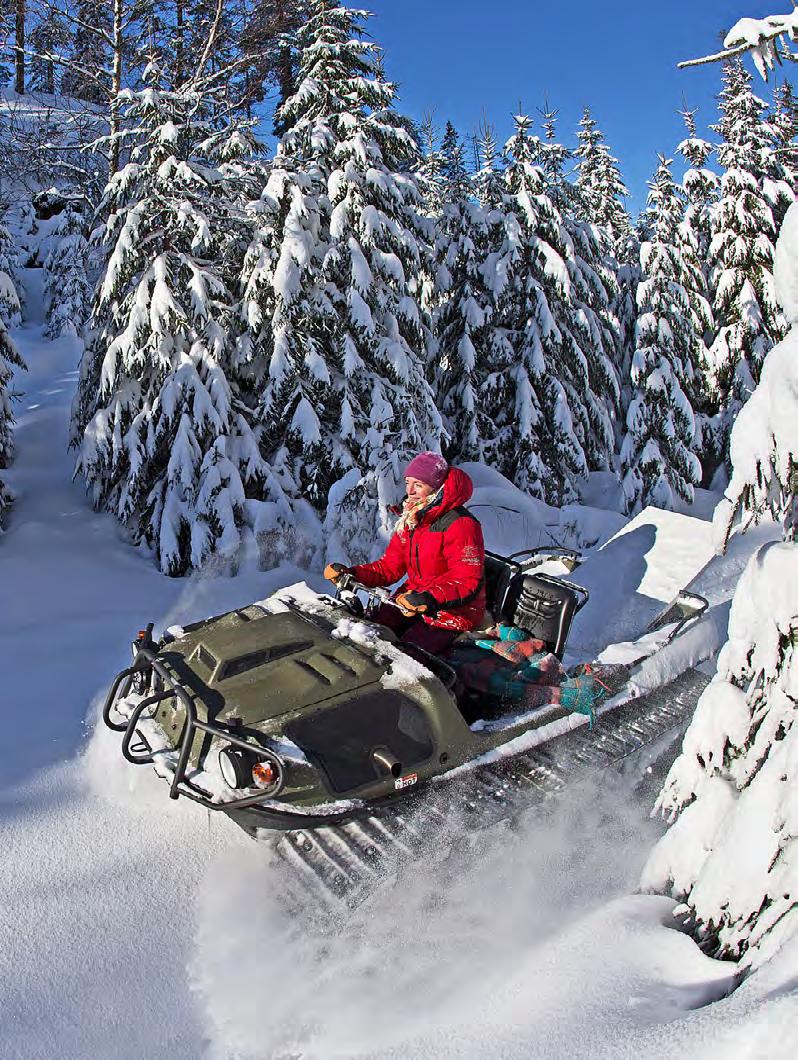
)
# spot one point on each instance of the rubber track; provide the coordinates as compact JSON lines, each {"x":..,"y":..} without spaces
{"x":342,"y":864}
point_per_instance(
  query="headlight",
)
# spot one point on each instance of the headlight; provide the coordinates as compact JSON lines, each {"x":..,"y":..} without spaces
{"x":236,"y":767}
{"x":247,"y":769}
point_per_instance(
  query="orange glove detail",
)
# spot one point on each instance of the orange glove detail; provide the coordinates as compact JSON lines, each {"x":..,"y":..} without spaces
{"x":413,"y":603}
{"x":333,"y":571}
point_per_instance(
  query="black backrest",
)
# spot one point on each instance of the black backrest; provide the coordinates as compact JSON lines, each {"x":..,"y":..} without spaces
{"x":542,"y":606}
{"x":499,"y":572}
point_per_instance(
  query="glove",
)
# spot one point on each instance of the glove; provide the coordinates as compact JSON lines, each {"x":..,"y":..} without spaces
{"x":333,"y":571}
{"x":414,"y":603}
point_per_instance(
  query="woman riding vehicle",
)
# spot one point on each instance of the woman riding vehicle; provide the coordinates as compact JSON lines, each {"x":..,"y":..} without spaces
{"x":437,"y":547}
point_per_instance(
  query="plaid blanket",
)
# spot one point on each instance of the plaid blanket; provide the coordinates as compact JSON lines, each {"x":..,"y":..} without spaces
{"x":514,"y":672}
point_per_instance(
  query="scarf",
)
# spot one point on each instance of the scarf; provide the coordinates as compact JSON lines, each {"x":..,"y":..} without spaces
{"x":413,"y":511}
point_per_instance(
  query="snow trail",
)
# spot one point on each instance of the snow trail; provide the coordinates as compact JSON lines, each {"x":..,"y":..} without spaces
{"x":98,"y":900}
{"x":98,"y":870}
{"x":134,"y":927}
{"x":63,"y":568}
{"x":503,"y":947}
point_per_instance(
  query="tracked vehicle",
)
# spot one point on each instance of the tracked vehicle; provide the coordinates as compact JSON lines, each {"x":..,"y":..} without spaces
{"x":299,"y":713}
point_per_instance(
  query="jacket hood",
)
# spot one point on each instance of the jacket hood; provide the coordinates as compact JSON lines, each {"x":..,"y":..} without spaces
{"x":457,"y":489}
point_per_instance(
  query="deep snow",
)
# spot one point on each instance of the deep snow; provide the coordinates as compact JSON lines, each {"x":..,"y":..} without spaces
{"x":132,"y":926}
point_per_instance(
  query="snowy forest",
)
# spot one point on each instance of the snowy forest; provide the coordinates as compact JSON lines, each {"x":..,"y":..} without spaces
{"x":282,"y":287}
{"x":270,"y":335}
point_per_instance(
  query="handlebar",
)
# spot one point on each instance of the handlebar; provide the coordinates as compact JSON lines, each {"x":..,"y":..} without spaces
{"x":346,"y":583}
{"x":537,"y":556}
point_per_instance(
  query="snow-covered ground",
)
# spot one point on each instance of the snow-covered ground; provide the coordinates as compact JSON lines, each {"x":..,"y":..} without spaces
{"x":132,"y":926}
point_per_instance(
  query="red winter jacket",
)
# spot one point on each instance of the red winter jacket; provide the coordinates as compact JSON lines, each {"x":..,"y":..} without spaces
{"x":444,"y":556}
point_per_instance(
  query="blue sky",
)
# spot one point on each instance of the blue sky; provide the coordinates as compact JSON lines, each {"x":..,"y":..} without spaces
{"x":461,"y":58}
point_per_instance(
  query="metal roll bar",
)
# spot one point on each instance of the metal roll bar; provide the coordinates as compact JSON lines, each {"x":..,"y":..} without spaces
{"x":146,"y":658}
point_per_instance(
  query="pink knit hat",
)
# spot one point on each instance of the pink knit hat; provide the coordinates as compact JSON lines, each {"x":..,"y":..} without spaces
{"x":430,"y":468}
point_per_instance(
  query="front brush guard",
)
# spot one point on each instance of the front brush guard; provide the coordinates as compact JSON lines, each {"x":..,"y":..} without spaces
{"x":145,"y":660}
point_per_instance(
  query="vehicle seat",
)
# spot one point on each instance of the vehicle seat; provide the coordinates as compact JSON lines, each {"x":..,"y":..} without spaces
{"x":499,"y":572}
{"x":540,"y":604}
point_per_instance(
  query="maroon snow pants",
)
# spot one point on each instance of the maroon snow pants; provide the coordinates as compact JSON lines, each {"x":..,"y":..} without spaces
{"x":415,"y":631}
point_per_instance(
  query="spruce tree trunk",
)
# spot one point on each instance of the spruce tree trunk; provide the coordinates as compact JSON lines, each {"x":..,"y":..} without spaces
{"x":285,"y":16}
{"x":19,"y":49}
{"x":179,"y":44}
{"x":116,"y":83}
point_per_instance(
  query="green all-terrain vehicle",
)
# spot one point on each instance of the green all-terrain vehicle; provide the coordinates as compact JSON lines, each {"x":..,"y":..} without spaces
{"x":300,"y":712}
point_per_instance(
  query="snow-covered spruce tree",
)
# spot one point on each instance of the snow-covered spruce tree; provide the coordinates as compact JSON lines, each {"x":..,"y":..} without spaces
{"x":598,"y":180}
{"x":536,"y":448}
{"x":732,"y":789}
{"x":67,"y":290}
{"x":779,"y":161}
{"x":598,"y":199}
{"x":10,"y":307}
{"x":784,"y":122}
{"x":268,"y":41}
{"x":764,"y":443}
{"x":700,"y":187}
{"x":553,"y":159}
{"x":87,"y":74}
{"x":628,"y":275}
{"x":700,"y":190}
{"x":591,"y":331}
{"x":430,"y":169}
{"x":487,"y":182}
{"x":48,"y":40}
{"x":565,"y":385}
{"x":463,"y":318}
{"x":8,"y":358}
{"x":333,"y":288}
{"x":658,"y":461}
{"x":162,"y":433}
{"x":747,"y":319}
{"x":376,"y":267}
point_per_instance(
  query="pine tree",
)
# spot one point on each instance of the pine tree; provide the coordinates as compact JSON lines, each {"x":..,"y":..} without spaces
{"x":211,"y":34}
{"x":6,"y":32}
{"x":587,"y":316}
{"x":160,"y":423}
{"x":67,"y":290}
{"x":536,"y":448}
{"x":10,"y":307}
{"x":658,"y":461}
{"x":747,"y":319}
{"x":87,"y":75}
{"x":784,"y":121}
{"x":599,"y":184}
{"x":9,"y":357}
{"x":700,"y":189}
{"x":430,"y":170}
{"x":598,"y":198}
{"x":782,"y":160}
{"x":566,"y":388}
{"x":736,"y":776}
{"x":548,"y":397}
{"x":553,"y":158}
{"x":49,"y":41}
{"x":333,"y":282}
{"x":488,"y":183}
{"x":268,"y":38}
{"x":463,"y":318}
{"x":628,"y":275}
